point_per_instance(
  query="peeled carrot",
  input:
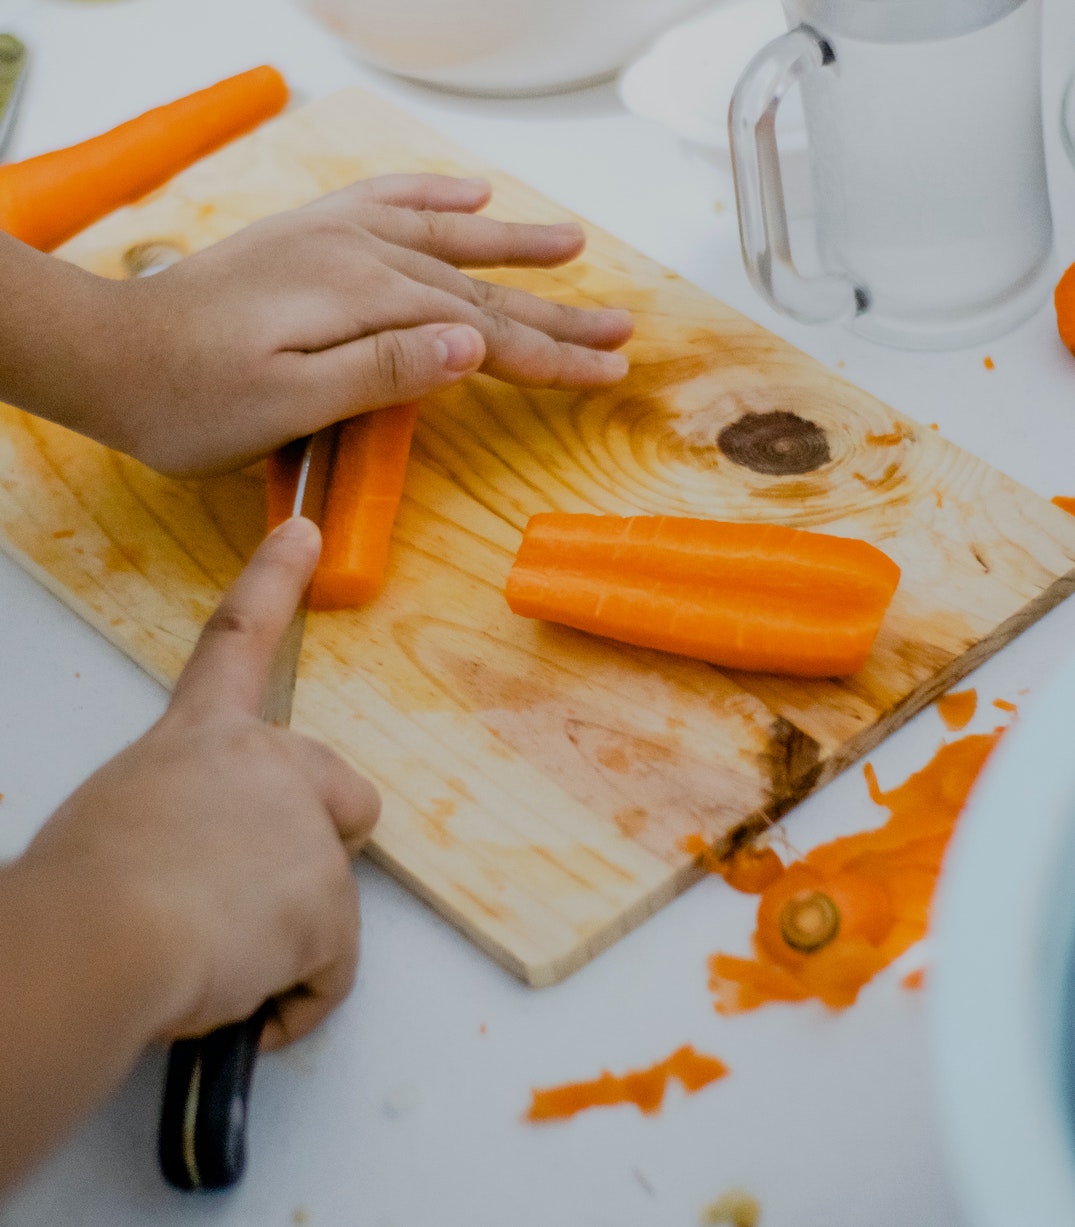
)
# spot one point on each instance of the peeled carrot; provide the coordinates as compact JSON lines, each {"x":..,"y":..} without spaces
{"x":1064,"y":305}
{"x":364,"y":490}
{"x":762,"y":597}
{"x":46,"y":199}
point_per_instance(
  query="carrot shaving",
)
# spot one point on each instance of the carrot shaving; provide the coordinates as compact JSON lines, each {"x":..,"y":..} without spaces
{"x":1005,"y":705}
{"x":846,"y":910}
{"x":364,"y":493}
{"x":988,"y":363}
{"x":1064,"y":305}
{"x":749,"y":869}
{"x":46,"y":199}
{"x":1064,"y":503}
{"x":762,"y":597}
{"x":915,"y":980}
{"x":957,"y":708}
{"x":644,"y":1088}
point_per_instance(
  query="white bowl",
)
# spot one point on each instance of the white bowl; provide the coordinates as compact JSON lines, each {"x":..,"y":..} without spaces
{"x":501,"y":47}
{"x":1001,"y":1002}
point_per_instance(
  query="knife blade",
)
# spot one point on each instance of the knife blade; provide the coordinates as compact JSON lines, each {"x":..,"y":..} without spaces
{"x":202,"y":1136}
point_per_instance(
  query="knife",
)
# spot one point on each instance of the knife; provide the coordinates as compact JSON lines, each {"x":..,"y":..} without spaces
{"x":202,"y":1138}
{"x":13,"y":61}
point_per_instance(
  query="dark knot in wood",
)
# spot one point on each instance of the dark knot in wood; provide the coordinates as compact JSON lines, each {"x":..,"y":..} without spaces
{"x":779,"y":443}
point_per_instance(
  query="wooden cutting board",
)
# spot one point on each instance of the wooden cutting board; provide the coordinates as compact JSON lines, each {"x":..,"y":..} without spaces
{"x":537,"y":782}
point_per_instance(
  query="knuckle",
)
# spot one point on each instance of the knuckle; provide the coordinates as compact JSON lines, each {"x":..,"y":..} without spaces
{"x":391,"y":359}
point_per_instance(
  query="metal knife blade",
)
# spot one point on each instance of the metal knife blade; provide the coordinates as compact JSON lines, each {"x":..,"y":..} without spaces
{"x":315,"y":468}
{"x":202,"y":1137}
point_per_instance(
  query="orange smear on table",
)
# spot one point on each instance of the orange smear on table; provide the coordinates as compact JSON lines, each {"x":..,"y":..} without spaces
{"x":1064,"y":503}
{"x":957,"y":708}
{"x":748,"y":869}
{"x":645,"y":1087}
{"x":844,"y":912}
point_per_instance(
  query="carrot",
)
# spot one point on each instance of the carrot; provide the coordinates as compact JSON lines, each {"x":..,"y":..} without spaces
{"x":365,"y":487}
{"x":1064,"y":304}
{"x":957,"y":708}
{"x":46,"y":199}
{"x":748,"y":596}
{"x":644,"y":1087}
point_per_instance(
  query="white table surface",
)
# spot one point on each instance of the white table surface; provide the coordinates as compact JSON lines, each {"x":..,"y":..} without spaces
{"x":404,"y":1110}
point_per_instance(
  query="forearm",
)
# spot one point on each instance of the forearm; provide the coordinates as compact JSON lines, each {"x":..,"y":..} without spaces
{"x":81,"y":994}
{"x":59,"y":339}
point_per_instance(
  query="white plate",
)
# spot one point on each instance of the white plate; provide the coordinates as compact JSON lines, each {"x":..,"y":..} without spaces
{"x":686,"y":79}
{"x":1000,"y":989}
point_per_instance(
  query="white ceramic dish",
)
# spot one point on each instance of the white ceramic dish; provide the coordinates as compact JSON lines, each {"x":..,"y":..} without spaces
{"x":1002,"y":1020}
{"x":501,"y":47}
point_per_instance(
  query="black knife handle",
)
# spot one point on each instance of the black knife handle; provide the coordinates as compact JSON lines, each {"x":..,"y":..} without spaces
{"x":202,"y":1138}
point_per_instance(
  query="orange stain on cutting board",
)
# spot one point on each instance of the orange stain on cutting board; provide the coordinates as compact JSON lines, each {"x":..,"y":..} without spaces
{"x":645,"y":1088}
{"x":831,"y":921}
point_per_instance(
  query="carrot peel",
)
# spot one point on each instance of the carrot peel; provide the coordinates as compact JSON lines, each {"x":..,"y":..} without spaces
{"x":763,"y":597}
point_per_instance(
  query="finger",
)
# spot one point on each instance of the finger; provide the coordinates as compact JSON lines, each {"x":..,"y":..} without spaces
{"x":477,"y":242}
{"x":422,"y":191}
{"x":349,"y":797}
{"x":600,"y":328}
{"x":232,"y":659}
{"x":387,"y":368}
{"x":323,"y":988}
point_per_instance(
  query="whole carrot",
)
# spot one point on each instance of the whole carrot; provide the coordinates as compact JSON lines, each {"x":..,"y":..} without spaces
{"x":363,"y":497}
{"x":762,"y":597}
{"x":46,"y":199}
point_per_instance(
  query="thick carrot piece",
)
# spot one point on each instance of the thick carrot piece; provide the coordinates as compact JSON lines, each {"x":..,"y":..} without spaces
{"x":761,"y":597}
{"x":46,"y":199}
{"x":360,"y":509}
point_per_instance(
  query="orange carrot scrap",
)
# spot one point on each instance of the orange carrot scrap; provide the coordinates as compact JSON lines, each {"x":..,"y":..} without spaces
{"x":957,"y":708}
{"x":844,"y":912}
{"x":1064,"y":502}
{"x":913,"y":981}
{"x":1064,"y":304}
{"x":749,"y":869}
{"x":762,"y":597}
{"x":988,"y":363}
{"x":46,"y":199}
{"x":1005,"y":705}
{"x":364,"y":493}
{"x":644,"y":1088}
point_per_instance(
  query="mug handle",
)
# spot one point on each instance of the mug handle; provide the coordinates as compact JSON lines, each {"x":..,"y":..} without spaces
{"x":759,"y":190}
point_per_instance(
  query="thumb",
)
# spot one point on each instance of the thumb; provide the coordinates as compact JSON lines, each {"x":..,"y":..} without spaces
{"x":400,"y":364}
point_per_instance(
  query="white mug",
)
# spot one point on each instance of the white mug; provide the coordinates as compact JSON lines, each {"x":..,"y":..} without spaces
{"x":931,"y":204}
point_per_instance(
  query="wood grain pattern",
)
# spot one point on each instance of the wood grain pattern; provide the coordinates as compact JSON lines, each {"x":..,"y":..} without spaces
{"x":538,"y":782}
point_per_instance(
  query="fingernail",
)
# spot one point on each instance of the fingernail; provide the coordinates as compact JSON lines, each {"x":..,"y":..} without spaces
{"x":296,"y":528}
{"x":459,"y":347}
{"x":477,"y":181}
{"x":570,"y":229}
{"x":614,"y":364}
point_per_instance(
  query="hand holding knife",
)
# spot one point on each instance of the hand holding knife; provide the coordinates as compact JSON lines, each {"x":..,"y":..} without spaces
{"x":202,"y":1137}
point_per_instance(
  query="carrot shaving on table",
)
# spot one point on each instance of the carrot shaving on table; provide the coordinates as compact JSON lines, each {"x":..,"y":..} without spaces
{"x":988,"y":363}
{"x":1005,"y":705}
{"x":1064,"y":502}
{"x":957,"y":708}
{"x":914,"y":980}
{"x":644,"y":1088}
{"x":846,"y":910}
{"x":749,"y":869}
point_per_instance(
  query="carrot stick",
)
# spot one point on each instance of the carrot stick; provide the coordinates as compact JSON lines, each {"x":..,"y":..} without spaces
{"x":747,"y":596}
{"x":360,"y":509}
{"x":46,"y":199}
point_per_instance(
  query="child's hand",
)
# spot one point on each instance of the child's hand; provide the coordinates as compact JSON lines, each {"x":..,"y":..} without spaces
{"x":353,"y":302}
{"x":222,"y":841}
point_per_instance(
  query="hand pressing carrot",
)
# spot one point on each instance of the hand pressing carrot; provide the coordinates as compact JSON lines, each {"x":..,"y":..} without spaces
{"x":354,"y":302}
